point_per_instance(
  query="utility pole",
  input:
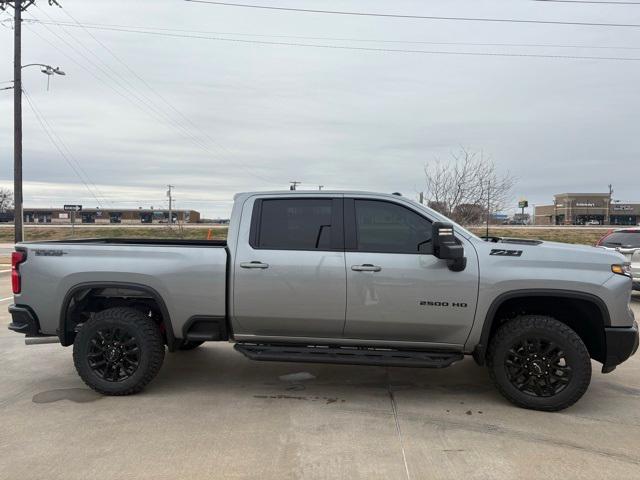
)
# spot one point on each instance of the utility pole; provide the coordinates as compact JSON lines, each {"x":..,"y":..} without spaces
{"x":17,"y":122}
{"x":294,"y":184}
{"x":170,"y":200}
{"x":18,"y":7}
{"x":488,"y":206}
{"x":607,"y":216}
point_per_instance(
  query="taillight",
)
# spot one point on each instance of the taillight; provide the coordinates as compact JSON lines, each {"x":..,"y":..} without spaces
{"x":16,"y":259}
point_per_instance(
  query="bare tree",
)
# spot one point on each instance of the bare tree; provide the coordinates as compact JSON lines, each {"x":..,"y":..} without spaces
{"x":467,"y":187}
{"x":6,"y":199}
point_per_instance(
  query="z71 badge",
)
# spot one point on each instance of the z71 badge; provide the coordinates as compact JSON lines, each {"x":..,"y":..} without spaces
{"x":506,"y":253}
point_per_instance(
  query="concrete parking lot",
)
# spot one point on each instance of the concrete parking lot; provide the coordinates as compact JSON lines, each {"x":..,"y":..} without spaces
{"x":211,"y":413}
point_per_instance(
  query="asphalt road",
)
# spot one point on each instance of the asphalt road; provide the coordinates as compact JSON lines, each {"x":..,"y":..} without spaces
{"x":211,"y":413}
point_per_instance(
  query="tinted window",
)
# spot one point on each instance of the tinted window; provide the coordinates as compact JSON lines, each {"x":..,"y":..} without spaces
{"x":295,"y":224}
{"x":622,"y":239}
{"x":390,"y":228}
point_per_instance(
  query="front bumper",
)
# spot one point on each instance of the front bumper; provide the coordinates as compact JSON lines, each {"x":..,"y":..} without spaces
{"x":621,"y":343}
{"x":24,"y":321}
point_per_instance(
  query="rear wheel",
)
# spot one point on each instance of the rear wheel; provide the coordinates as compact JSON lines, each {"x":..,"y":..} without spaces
{"x":118,"y":351}
{"x":539,"y":363}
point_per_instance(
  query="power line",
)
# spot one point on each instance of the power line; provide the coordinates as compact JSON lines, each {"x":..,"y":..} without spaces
{"x":417,"y":17}
{"x":606,"y":2}
{"x":374,"y":49}
{"x":78,"y":163}
{"x":185,"y":118}
{"x":48,"y":130}
{"x":101,"y":26}
{"x":142,"y":101}
{"x":138,"y":100}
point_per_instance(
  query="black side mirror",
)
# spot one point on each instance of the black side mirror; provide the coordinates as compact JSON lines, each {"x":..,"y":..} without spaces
{"x":447,"y":247}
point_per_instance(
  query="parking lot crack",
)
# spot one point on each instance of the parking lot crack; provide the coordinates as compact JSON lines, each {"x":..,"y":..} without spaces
{"x":394,"y":408}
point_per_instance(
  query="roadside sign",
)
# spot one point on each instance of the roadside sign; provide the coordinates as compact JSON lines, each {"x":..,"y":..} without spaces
{"x":523,"y":204}
{"x":73,"y":208}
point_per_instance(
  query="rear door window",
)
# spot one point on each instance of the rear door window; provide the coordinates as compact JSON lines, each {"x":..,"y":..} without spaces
{"x":297,"y":224}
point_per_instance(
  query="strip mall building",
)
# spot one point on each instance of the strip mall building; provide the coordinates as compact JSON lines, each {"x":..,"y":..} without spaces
{"x":583,"y":208}
{"x":96,"y":215}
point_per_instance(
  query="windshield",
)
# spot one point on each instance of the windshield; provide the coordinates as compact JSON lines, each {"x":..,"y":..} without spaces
{"x":622,"y":239}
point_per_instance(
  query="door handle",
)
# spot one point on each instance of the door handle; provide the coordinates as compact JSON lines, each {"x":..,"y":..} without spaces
{"x":367,"y":267}
{"x":254,"y":264}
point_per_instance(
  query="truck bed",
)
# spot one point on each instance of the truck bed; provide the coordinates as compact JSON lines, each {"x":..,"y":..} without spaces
{"x":190,"y":276}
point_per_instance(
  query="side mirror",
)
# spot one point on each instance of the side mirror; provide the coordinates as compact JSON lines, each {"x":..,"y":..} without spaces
{"x":447,"y":247}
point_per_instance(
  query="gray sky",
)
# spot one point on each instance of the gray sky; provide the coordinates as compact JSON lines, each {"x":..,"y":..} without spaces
{"x":253,"y":116}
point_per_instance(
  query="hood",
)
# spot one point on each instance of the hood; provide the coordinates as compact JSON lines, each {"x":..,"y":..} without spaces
{"x":537,"y":250}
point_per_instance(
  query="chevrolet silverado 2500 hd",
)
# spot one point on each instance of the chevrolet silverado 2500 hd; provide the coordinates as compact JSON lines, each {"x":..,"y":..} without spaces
{"x":334,"y":277}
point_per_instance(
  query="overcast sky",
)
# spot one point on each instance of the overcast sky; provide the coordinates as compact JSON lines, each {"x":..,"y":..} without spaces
{"x":215,"y":117}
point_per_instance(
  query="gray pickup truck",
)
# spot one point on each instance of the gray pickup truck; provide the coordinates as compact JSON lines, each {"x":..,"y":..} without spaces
{"x":333,"y":277}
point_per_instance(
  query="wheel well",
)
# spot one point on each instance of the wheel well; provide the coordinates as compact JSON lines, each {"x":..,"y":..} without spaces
{"x":583,"y":316}
{"x":82,"y":303}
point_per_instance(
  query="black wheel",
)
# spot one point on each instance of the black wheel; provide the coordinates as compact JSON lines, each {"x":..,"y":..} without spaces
{"x":539,"y":363}
{"x":118,"y":351}
{"x":190,"y":345}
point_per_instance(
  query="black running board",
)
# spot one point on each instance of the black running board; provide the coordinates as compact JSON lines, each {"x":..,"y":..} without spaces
{"x":348,"y":355}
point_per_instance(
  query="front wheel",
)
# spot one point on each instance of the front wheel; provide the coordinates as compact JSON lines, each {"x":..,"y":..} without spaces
{"x":118,"y":351}
{"x":539,"y":363}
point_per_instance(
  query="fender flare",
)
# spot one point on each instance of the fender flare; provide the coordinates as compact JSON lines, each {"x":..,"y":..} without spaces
{"x":62,"y":331}
{"x":480,"y":350}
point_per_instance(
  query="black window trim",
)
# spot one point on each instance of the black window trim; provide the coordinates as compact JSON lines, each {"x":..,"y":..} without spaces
{"x":351,"y":228}
{"x":337,"y":224}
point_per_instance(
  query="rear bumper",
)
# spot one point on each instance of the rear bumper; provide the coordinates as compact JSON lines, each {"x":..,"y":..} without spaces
{"x":24,"y":320}
{"x":621,"y":343}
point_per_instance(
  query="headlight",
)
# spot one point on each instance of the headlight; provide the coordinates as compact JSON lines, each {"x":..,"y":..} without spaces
{"x":622,"y":269}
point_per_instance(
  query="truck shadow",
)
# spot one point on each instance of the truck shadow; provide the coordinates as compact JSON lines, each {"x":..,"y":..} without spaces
{"x":216,"y":367}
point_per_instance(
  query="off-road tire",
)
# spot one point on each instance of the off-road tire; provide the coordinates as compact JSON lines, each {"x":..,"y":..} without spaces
{"x":189,"y":345}
{"x":547,"y":329}
{"x":146,"y":335}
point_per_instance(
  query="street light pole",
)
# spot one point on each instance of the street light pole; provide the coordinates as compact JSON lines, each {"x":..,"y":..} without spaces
{"x":17,"y":123}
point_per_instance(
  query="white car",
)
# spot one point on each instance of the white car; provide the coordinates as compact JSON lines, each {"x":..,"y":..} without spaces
{"x":627,"y":242}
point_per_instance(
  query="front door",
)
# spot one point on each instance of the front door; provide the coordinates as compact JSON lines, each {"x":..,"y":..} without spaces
{"x":396,"y":289}
{"x":289,"y":278}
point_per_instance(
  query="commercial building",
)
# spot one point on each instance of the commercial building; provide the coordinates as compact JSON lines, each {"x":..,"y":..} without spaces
{"x":100,"y":216}
{"x":587,"y":208}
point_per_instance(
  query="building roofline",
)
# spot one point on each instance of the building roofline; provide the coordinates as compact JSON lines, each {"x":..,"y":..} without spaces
{"x":582,"y":195}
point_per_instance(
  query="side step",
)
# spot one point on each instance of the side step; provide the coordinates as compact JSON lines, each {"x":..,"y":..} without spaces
{"x":348,"y":355}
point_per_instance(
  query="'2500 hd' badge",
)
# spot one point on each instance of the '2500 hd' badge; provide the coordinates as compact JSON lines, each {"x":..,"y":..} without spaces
{"x":430,"y":303}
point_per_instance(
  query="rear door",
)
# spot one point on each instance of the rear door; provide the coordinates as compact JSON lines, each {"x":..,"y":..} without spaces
{"x":289,"y":277}
{"x":396,"y":289}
